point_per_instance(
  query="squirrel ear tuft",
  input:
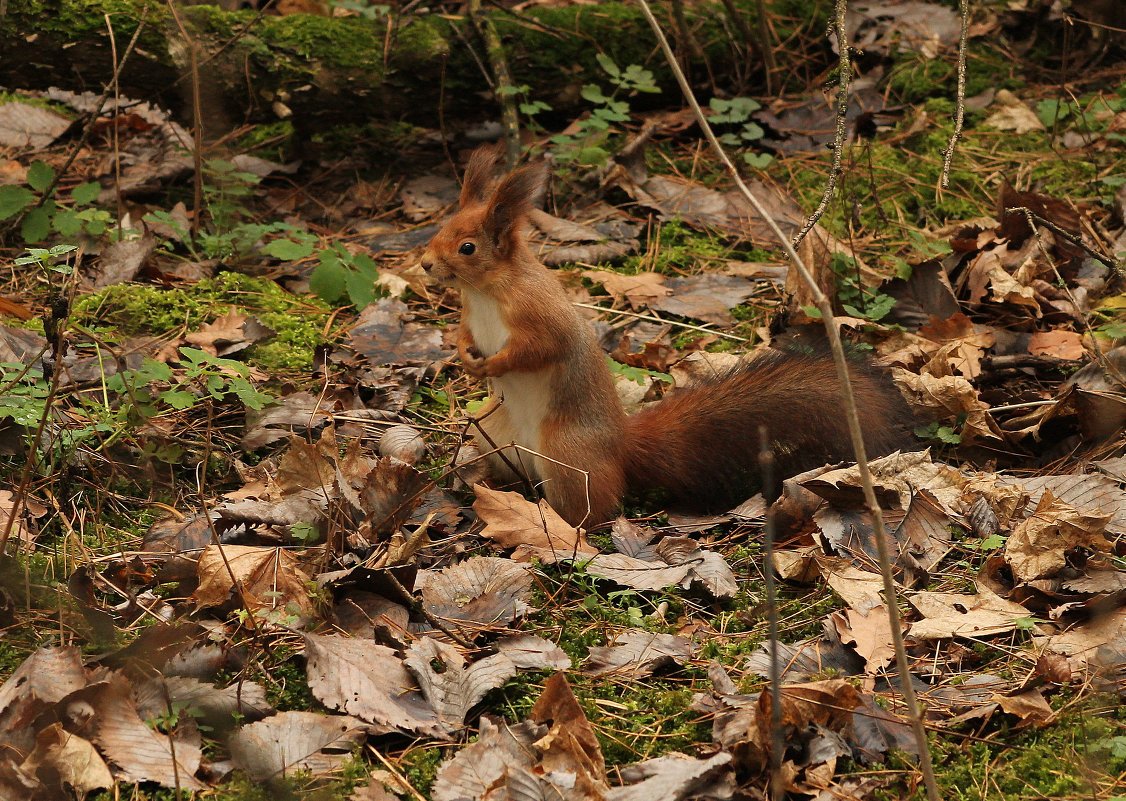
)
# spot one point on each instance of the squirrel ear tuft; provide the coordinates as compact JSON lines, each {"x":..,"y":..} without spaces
{"x":478,"y":175}
{"x":516,"y":195}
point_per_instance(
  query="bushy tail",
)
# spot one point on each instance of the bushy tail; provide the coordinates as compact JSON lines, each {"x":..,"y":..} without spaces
{"x":701,"y":443}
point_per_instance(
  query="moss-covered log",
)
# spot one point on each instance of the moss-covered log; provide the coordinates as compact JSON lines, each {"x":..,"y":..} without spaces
{"x":334,"y":70}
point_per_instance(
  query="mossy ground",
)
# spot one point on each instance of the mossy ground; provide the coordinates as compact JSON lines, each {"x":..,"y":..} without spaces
{"x":144,"y":310}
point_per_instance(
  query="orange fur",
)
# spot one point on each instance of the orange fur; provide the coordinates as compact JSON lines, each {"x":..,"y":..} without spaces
{"x":557,"y":398}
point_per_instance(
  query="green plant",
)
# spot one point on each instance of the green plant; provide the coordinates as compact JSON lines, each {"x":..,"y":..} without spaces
{"x":341,"y":273}
{"x":202,"y":376}
{"x":586,"y":145}
{"x":856,"y":299}
{"x":736,"y":114}
{"x":638,"y":375}
{"x":44,"y":213}
{"x":937,"y":432}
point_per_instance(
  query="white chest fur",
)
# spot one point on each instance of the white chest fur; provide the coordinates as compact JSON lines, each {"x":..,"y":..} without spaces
{"x":526,"y":394}
{"x":482,"y":315}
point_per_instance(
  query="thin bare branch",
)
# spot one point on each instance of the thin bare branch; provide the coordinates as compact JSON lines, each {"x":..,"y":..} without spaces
{"x":851,"y":414}
{"x":960,"y":111}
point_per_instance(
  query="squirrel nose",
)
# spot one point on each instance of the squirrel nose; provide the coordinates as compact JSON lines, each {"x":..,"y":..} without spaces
{"x":427,"y":263}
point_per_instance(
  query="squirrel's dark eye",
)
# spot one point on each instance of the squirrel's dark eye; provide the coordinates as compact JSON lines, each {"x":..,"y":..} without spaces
{"x":467,"y":249}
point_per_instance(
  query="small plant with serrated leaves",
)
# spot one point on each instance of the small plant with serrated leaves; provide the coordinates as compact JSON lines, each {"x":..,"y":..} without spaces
{"x":586,"y":145}
{"x":733,"y":118}
{"x":526,"y":105}
{"x":45,"y":213}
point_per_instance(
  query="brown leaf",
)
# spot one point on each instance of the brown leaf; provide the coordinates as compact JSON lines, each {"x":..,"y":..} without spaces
{"x":296,"y":741}
{"x":229,"y":334}
{"x":1010,"y":114}
{"x":706,"y":297}
{"x":69,"y":761}
{"x":532,"y":652}
{"x":385,"y":334}
{"x":218,"y":707}
{"x":870,"y":634}
{"x":270,"y":579}
{"x":121,"y":261}
{"x":949,"y":398}
{"x":369,"y":681}
{"x":1030,"y":706}
{"x":451,"y":685}
{"x":483,"y":592}
{"x":909,"y":25}
{"x":23,"y":125}
{"x":571,"y":745}
{"x":636,"y":653}
{"x":947,"y":614}
{"x":1060,"y":344}
{"x":501,"y":752}
{"x":639,"y":290}
{"x":1039,"y":545}
{"x":532,"y":529}
{"x":44,"y":678}
{"x":677,"y":776}
{"x":142,"y":753}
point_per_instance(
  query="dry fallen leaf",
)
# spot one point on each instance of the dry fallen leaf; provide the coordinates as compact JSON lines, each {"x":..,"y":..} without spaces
{"x":68,"y":759}
{"x":534,"y":530}
{"x":869,"y":633}
{"x":947,"y":614}
{"x":480,"y":593}
{"x":639,"y":290}
{"x":638,"y":653}
{"x":502,"y":754}
{"x":1011,"y":114}
{"x":45,"y":677}
{"x":270,"y":580}
{"x":677,"y":776}
{"x":1039,"y":545}
{"x":369,"y":681}
{"x":296,"y":741}
{"x":451,"y":685}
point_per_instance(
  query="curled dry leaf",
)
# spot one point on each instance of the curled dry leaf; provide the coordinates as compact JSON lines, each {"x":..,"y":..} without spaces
{"x":293,"y":741}
{"x":1039,"y":545}
{"x":638,"y":653}
{"x":44,"y":678}
{"x":451,"y":685}
{"x":403,"y":443}
{"x":532,"y":652}
{"x":270,"y":579}
{"x":534,"y":530}
{"x":639,"y":290}
{"x":948,"y":398}
{"x":68,"y":760}
{"x":368,"y":681}
{"x":483,"y":592}
{"x":947,"y":614}
{"x":229,"y":334}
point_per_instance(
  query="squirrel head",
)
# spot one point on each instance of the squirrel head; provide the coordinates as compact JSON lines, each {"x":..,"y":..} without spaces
{"x":480,"y":244}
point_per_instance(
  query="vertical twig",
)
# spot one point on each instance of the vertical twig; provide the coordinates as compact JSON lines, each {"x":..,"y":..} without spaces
{"x":116,"y":132}
{"x":960,"y":111}
{"x":766,"y":470}
{"x":197,"y":123}
{"x":503,"y":88}
{"x":768,"y":66}
{"x":844,"y":76}
{"x":848,"y":401}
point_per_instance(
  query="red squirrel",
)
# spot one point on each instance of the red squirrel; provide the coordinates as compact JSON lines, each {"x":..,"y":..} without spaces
{"x":556,"y":394}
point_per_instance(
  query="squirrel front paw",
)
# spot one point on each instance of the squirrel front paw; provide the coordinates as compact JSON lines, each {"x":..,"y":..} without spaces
{"x":475,"y":364}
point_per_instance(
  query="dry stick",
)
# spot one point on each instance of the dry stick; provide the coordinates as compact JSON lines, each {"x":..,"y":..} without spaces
{"x":960,"y":112}
{"x":844,"y":78}
{"x":503,"y":89}
{"x":654,"y":319}
{"x":89,"y":129}
{"x":197,"y":124}
{"x":116,"y":132}
{"x":766,"y":470}
{"x":851,"y":415}
{"x":1071,"y":238}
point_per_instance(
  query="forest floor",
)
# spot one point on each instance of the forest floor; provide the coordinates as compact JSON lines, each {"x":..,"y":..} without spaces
{"x":236,"y":561}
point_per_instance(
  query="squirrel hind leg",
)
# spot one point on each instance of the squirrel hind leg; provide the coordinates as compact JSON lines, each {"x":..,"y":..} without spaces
{"x":587,"y":498}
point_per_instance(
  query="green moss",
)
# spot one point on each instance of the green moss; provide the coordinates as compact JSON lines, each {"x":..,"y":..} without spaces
{"x":420,"y":767}
{"x":141,"y":310}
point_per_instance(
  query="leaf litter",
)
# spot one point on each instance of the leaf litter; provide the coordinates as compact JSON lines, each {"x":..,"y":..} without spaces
{"x":416,"y":611}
